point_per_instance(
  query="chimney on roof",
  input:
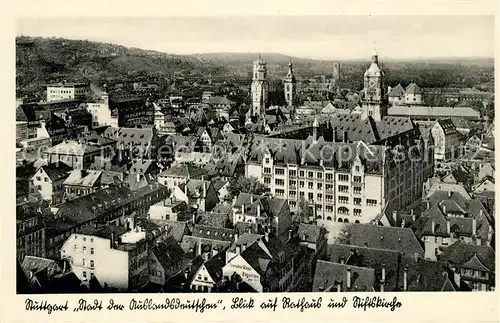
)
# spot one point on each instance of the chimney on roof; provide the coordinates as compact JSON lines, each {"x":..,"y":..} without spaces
{"x":194,"y":218}
{"x":199,"y":249}
{"x":383,"y":272}
{"x":251,"y":198}
{"x":214,"y":252}
{"x":412,"y":215}
{"x":204,"y":189}
{"x":405,"y":279}
{"x":474,"y":227}
{"x":244,"y":246}
{"x":433,"y":226}
{"x":339,"y":286}
{"x":394,"y":215}
{"x":456,"y":276}
{"x":112,"y":240}
{"x":348,"y":278}
{"x":444,"y":209}
{"x":478,"y":241}
{"x":238,"y":249}
{"x":448,"y":226}
{"x":242,"y":209}
{"x":382,"y":283}
{"x":138,"y":177}
{"x":290,"y":234}
{"x":266,"y":235}
{"x":403,"y":223}
{"x":258,"y":210}
{"x":416,"y":256}
{"x":449,"y":194}
{"x":428,"y":203}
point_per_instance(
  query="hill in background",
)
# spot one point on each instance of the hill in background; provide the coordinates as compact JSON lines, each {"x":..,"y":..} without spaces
{"x":43,"y":60}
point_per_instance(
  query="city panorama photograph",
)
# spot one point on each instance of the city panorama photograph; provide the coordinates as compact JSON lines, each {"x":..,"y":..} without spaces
{"x":255,"y":154}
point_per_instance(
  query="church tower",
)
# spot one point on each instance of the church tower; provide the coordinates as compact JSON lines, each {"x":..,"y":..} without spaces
{"x":336,"y":77}
{"x":260,"y":87}
{"x":375,"y":92}
{"x":290,"y":86}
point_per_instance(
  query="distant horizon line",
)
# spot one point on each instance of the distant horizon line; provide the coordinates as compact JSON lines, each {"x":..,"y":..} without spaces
{"x":381,"y":57}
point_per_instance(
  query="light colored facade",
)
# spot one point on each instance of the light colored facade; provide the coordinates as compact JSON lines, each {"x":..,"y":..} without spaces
{"x":67,"y":91}
{"x":90,"y":255}
{"x":290,"y":86}
{"x":375,"y":99}
{"x":446,"y":140}
{"x":260,"y":87}
{"x":413,"y":94}
{"x":101,"y":113}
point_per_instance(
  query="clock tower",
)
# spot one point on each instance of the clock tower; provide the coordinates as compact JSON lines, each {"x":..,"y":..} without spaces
{"x":290,"y":84}
{"x":375,"y":100}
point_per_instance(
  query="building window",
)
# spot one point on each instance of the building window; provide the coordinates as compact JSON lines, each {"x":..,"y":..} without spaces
{"x":84,"y":249}
{"x":84,"y":275}
{"x":357,"y":201}
{"x":267,"y":170}
{"x":329,"y":187}
{"x":357,"y":179}
{"x":357,"y":212}
{"x":301,"y":173}
{"x":279,"y":171}
{"x":292,"y":173}
{"x":371,"y":202}
{"x":91,"y":251}
{"x":310,"y":196}
{"x":279,"y":181}
{"x":319,"y":175}
{"x":319,"y":196}
{"x":280,"y":192}
{"x":83,"y":262}
{"x":329,"y":177}
{"x":75,"y":248}
{"x":267,"y":161}
{"x":329,"y":197}
{"x":329,"y":208}
{"x":319,"y":186}
{"x":38,"y":178}
{"x":343,"y":188}
{"x":343,"y":178}
{"x":357,"y":168}
{"x":91,"y":264}
{"x":292,"y":183}
{"x":343,"y":199}
{"x":293,"y":194}
{"x":301,"y":184}
{"x":292,"y":204}
{"x":310,"y":174}
{"x":310,"y":185}
{"x":357,"y":190}
{"x":343,"y":210}
{"x":301,"y":195}
{"x":267,"y":180}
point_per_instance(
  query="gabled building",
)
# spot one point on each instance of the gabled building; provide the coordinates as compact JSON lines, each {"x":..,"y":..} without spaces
{"x":473,"y":264}
{"x":397,"y":95}
{"x":48,"y":181}
{"x":81,"y":182}
{"x":180,"y":174}
{"x":446,"y":140}
{"x":75,"y":154}
{"x":413,"y":94}
{"x":198,"y":194}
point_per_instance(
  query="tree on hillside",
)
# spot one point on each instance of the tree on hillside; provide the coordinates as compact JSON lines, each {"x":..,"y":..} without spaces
{"x":243,"y":184}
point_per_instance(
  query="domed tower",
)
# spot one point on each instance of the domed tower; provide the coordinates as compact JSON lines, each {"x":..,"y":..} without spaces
{"x":260,"y":87}
{"x":375,"y":92}
{"x":290,"y":85}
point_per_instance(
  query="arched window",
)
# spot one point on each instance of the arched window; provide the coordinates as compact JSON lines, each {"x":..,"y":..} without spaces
{"x":343,"y":210}
{"x":329,"y":218}
{"x":357,"y":221}
{"x":346,"y":221}
{"x":340,"y":220}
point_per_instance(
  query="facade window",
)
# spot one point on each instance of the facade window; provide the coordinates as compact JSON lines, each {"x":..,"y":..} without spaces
{"x":371,"y":202}
{"x":292,"y":183}
{"x":319,"y":186}
{"x":329,"y":208}
{"x":357,"y":201}
{"x":301,"y":173}
{"x":329,"y":197}
{"x":329,"y":187}
{"x":280,"y":192}
{"x":319,"y":207}
{"x":301,"y":195}
{"x":301,"y":184}
{"x":38,"y":178}
{"x":310,"y":185}
{"x":75,"y":248}
{"x":91,"y":264}
{"x":329,"y":177}
{"x":357,"y":168}
{"x":46,"y":179}
{"x":343,"y":199}
{"x":84,"y":274}
{"x":343,"y":178}
{"x":84,"y":249}
{"x":310,"y":196}
{"x":279,"y":171}
{"x":319,"y":175}
{"x":292,"y":194}
{"x":343,"y":188}
{"x":319,"y":196}
{"x":292,"y":173}
{"x":357,"y":212}
{"x":357,"y":179}
{"x":267,"y":170}
{"x":292,"y":204}
{"x":267,"y":161}
{"x":343,"y":210}
{"x":267,"y":180}
{"x":357,"y":190}
{"x":310,"y":174}
{"x":279,"y":181}
{"x":91,"y":251}
{"x":83,"y":262}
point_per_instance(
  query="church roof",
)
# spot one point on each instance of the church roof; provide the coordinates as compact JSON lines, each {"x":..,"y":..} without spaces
{"x":413,"y":89}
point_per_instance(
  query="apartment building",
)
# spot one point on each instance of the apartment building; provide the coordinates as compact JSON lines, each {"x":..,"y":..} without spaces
{"x":67,"y":91}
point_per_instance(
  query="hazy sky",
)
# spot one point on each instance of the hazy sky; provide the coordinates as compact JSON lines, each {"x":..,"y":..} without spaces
{"x":321,"y":37}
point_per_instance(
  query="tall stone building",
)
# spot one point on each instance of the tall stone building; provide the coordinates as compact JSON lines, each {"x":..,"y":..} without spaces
{"x":290,"y":86}
{"x":375,"y":100}
{"x":260,"y":87}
